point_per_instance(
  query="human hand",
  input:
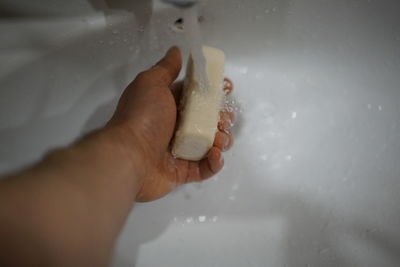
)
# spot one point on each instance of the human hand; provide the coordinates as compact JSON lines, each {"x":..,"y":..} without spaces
{"x":147,"y":111}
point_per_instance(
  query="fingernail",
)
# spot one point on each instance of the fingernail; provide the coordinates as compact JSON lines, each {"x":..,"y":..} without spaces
{"x":221,"y":159}
{"x":226,"y":143}
{"x":216,"y":161}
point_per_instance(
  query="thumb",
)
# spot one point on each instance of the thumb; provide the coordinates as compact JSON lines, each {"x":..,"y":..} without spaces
{"x":165,"y":72}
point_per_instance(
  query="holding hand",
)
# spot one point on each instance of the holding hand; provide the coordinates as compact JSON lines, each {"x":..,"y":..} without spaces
{"x":147,"y":111}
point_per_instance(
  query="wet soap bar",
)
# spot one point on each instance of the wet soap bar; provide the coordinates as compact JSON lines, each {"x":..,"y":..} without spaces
{"x":200,"y":108}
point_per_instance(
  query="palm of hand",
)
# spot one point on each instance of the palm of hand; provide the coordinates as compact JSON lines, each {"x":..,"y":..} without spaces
{"x":149,"y":108}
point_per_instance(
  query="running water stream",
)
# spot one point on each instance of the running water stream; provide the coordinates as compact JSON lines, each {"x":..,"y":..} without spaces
{"x":194,"y":43}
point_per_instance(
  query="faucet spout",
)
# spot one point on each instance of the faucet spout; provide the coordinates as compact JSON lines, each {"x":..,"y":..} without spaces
{"x":181,"y":3}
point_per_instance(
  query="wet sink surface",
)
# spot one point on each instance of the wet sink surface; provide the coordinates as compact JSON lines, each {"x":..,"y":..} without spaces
{"x":313,"y":179}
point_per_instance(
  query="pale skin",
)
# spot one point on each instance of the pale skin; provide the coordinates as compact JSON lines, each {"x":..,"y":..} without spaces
{"x":68,"y":209}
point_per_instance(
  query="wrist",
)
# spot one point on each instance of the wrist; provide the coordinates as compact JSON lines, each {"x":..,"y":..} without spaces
{"x":127,"y":150}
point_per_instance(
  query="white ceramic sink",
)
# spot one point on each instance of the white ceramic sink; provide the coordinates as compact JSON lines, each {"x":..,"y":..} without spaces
{"x":314,"y":177}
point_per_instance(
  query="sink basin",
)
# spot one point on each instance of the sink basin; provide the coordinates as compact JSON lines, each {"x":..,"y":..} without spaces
{"x":313,"y":179}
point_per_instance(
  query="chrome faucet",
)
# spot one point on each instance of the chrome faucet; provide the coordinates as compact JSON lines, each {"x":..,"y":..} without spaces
{"x":181,"y":3}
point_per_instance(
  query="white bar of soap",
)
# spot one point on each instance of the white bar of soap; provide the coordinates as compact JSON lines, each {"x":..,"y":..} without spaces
{"x":200,"y":108}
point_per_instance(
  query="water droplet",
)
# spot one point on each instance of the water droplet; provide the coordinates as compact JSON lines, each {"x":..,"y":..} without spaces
{"x":202,"y":218}
{"x":380,"y":108}
{"x":294,"y":115}
{"x":244,"y":70}
{"x":235,"y":187}
{"x":115,"y":31}
{"x":231,"y":198}
{"x":289,"y":157}
{"x":267,"y":11}
{"x":369,"y":106}
{"x":264,"y":157}
{"x":214,"y":219}
{"x":189,"y":220}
